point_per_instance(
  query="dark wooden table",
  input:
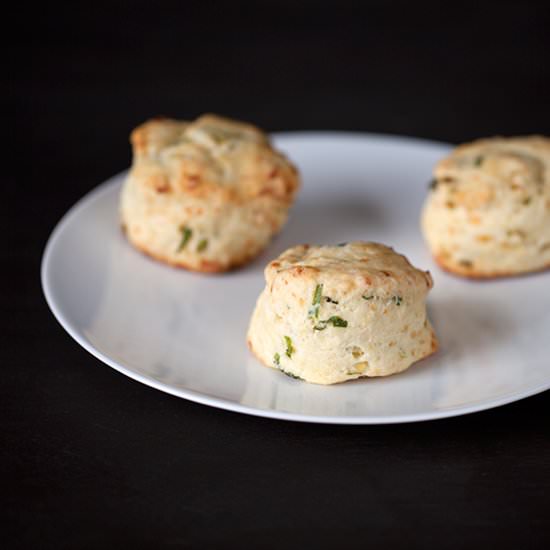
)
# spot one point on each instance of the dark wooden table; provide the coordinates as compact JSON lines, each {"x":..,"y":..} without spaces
{"x":92,"y":459}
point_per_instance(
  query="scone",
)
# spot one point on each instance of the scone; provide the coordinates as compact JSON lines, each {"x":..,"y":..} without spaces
{"x":488,"y":211}
{"x":334,"y":313}
{"x":206,"y":195}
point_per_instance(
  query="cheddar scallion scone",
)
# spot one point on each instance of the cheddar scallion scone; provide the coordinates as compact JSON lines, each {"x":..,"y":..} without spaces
{"x":488,"y":210}
{"x":206,"y":195}
{"x":334,"y":313}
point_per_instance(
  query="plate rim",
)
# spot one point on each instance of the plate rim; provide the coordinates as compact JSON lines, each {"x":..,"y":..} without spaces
{"x":223,"y":403}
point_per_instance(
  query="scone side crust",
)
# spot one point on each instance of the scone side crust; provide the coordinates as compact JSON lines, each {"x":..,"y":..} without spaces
{"x":434,"y":349}
{"x":231,"y":234}
{"x":456,"y":269}
{"x":204,"y":266}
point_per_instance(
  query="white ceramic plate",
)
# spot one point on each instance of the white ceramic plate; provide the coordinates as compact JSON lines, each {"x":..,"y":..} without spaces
{"x":184,"y":333}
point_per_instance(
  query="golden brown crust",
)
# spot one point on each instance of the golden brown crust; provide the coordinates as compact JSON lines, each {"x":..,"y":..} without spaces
{"x":191,"y":159}
{"x":141,"y":137}
{"x":373,"y":264}
{"x":470,"y":273}
{"x":435,"y":344}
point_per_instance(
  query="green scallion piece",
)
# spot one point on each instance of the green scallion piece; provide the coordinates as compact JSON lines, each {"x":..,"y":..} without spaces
{"x":290,"y":374}
{"x":203,"y":243}
{"x":289,"y":347}
{"x":397,"y":300}
{"x":186,"y":234}
{"x":335,"y":321}
{"x":313,"y":312}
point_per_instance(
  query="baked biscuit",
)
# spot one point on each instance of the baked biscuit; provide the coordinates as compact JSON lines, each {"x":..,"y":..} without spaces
{"x":488,"y":211}
{"x":334,"y":313}
{"x":206,"y":195}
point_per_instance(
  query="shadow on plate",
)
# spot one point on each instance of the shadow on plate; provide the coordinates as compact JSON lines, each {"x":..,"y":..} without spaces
{"x":341,"y":219}
{"x":469,"y":325}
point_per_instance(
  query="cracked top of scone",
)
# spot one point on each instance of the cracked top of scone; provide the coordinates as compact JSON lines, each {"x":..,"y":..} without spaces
{"x":482,"y":172}
{"x":350,"y":267}
{"x":211,"y":155}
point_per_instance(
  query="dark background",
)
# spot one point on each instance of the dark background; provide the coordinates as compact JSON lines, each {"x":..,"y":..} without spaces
{"x":92,"y":459}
